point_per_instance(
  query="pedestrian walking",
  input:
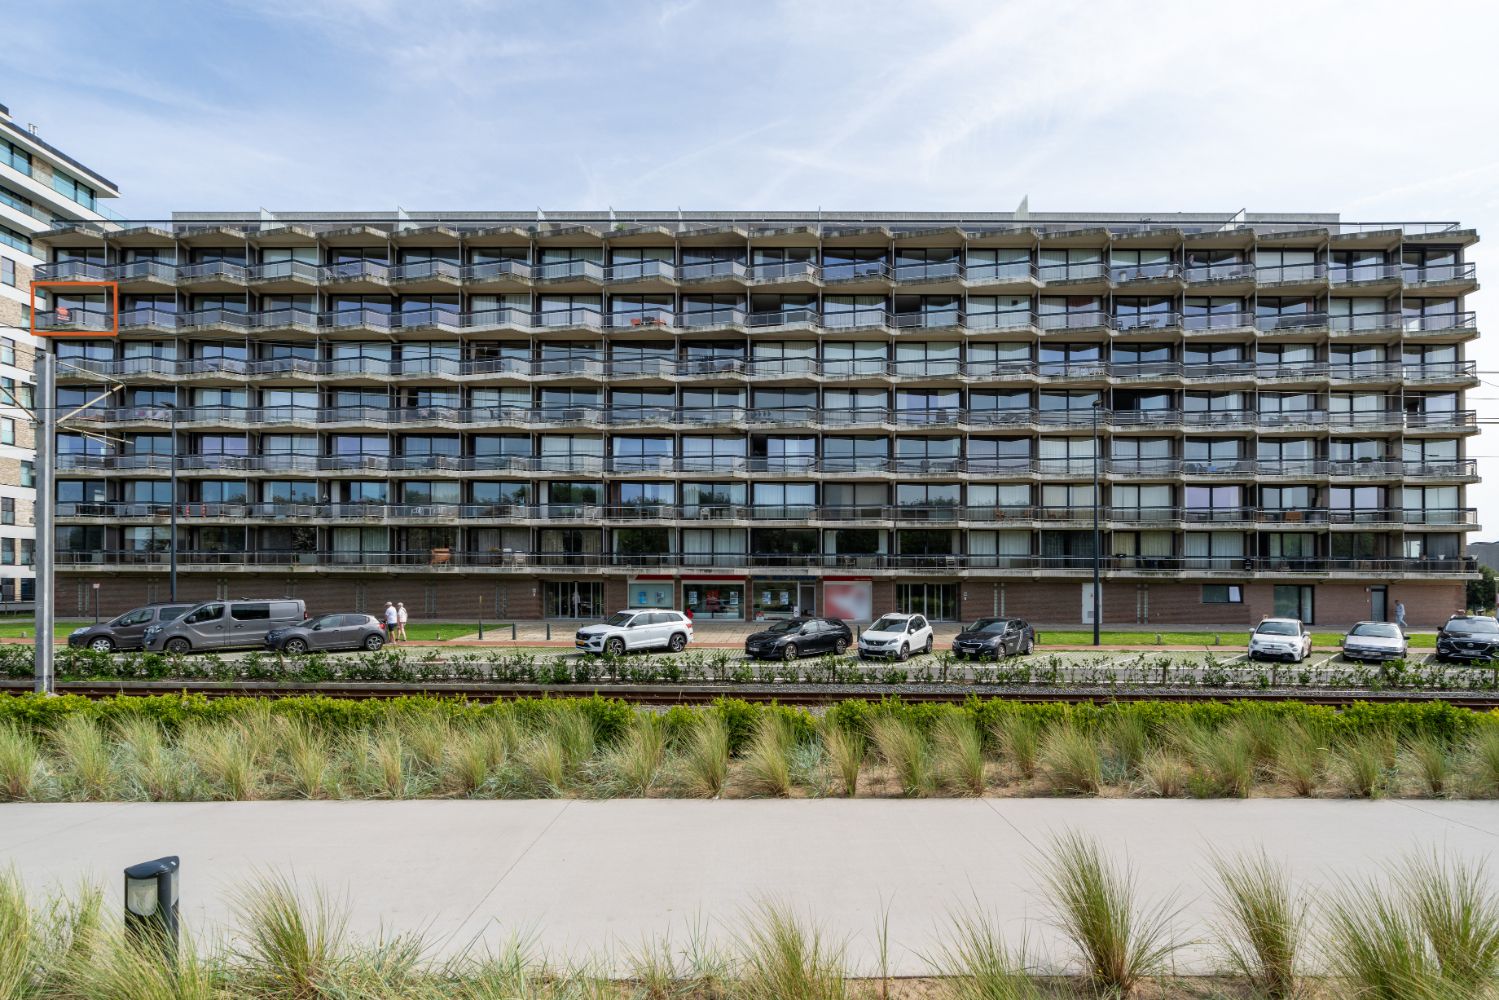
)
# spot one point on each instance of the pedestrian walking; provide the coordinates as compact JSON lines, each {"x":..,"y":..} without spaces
{"x":1400,"y":614}
{"x":392,"y":619}
{"x":401,"y":620}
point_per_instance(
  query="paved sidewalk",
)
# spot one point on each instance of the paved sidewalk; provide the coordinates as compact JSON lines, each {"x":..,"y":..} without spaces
{"x":594,"y":879}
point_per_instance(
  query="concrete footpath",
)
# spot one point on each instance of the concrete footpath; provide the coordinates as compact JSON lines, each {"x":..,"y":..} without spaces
{"x":592,"y":880}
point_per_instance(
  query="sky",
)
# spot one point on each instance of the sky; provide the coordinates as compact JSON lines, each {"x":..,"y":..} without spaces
{"x":1382,"y":111}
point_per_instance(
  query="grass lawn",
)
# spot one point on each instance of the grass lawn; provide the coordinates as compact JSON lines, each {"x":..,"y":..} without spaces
{"x":430,"y":631}
{"x":1239,"y":639}
{"x":13,"y":628}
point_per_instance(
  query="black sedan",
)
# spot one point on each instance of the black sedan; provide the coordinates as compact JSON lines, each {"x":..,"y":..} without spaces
{"x":328,"y":632}
{"x":995,"y":637}
{"x":786,"y":640}
{"x":1468,"y":637}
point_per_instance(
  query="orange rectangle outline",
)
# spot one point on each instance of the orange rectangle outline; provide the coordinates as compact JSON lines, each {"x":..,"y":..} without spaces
{"x":114,"y":290}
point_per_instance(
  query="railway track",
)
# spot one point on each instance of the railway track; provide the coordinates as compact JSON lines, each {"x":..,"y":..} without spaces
{"x":697,"y":694}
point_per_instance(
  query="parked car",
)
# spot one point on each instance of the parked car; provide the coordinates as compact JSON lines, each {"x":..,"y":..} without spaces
{"x":627,"y":630}
{"x":341,"y":631}
{"x":1468,"y":637}
{"x":237,"y":624}
{"x":1372,"y":642}
{"x":786,"y":640}
{"x":995,"y":637}
{"x":896,"y":636}
{"x":1284,"y":638}
{"x":127,"y":631}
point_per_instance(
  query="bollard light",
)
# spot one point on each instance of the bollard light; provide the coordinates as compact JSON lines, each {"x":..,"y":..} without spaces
{"x":151,"y":898}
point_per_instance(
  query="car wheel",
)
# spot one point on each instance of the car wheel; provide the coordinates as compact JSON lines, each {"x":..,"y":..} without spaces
{"x":374,"y":642}
{"x":1030,"y":644}
{"x":615,"y":647}
{"x":179,"y":646}
{"x":103,"y":644}
{"x":789,"y":653}
{"x":905,"y":651}
{"x":928,"y":650}
{"x":677,"y":643}
{"x":840,"y":646}
{"x":296,"y":647}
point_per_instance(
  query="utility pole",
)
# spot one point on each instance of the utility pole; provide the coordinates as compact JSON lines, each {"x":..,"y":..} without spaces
{"x":45,"y":509}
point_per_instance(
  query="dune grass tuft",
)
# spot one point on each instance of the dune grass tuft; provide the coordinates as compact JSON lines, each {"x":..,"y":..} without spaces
{"x":904,"y":749}
{"x":1262,"y":923}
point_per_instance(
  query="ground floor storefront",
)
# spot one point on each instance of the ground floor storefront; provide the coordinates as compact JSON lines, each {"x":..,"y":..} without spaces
{"x":767,"y":597}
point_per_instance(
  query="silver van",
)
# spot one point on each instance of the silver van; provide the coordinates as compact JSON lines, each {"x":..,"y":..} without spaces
{"x":213,"y":625}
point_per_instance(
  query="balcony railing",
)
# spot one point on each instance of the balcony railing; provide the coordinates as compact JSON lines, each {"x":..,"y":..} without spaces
{"x":1438,"y":323}
{"x":1363,"y":322}
{"x":1170,"y":516}
{"x":1352,"y":274}
{"x":1124,"y":274}
{"x":1268,"y":322}
{"x":1224,"y":271}
{"x":789,"y":465}
{"x":446,"y":559}
{"x":1290,"y":274}
{"x":1209,"y":322}
{"x":214,"y":270}
{"x":1437,"y":274}
{"x":1092,"y":270}
{"x":1082,"y":319}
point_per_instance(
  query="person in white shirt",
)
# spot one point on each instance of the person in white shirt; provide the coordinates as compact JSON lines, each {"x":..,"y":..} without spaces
{"x":401,"y":620}
{"x":392,"y":620}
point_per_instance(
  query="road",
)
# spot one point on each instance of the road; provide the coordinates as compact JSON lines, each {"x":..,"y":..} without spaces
{"x":592,"y":880}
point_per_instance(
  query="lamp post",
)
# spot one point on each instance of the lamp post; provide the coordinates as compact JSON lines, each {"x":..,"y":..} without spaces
{"x":1097,"y":568}
{"x":172,"y":542}
{"x":46,"y":507}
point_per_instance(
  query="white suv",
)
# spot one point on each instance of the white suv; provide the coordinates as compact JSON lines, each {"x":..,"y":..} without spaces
{"x":1280,"y":637}
{"x":896,"y":636}
{"x":626,"y":630}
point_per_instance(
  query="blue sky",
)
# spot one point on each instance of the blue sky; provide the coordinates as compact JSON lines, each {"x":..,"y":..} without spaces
{"x":1378,"y":110}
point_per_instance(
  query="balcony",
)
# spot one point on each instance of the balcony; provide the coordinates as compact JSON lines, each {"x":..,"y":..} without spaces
{"x":217,"y":272}
{"x":1462,"y":276}
{"x":1016,"y":273}
{"x":793,"y":272}
{"x":1128,"y":277}
{"x":1226,"y":272}
{"x":1291,"y":275}
{"x":928,"y":273}
{"x":1088,"y":272}
{"x":1290,"y":323}
{"x":287,"y":272}
{"x":1223,"y":322}
{"x":569,"y":270}
{"x":1146,"y":322}
{"x":430,"y":560}
{"x":1385,"y":324}
{"x":1441,"y":325}
{"x":356,"y":272}
{"x":498,"y":272}
{"x":1341,"y":275}
{"x":1089,"y":319}
{"x":78,"y":320}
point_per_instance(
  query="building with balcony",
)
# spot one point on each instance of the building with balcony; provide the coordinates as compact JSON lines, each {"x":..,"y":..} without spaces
{"x":40,"y":188}
{"x":752,"y":415}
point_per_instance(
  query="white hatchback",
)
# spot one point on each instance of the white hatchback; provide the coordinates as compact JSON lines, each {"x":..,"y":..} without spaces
{"x":1280,"y":638}
{"x":627,"y":630}
{"x":896,"y":637}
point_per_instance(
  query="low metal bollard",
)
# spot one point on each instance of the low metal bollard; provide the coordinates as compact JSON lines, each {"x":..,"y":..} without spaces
{"x":151,"y":900}
{"x":549,"y":631}
{"x":512,"y":631}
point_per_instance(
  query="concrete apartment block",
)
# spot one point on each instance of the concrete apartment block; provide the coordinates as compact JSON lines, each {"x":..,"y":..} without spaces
{"x":40,"y":188}
{"x":757,"y":414}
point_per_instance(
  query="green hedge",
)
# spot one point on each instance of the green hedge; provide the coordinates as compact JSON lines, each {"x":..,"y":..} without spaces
{"x":610,"y":717}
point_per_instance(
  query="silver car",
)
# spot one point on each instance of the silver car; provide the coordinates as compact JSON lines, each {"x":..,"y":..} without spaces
{"x":1375,"y":642}
{"x":347,"y":631}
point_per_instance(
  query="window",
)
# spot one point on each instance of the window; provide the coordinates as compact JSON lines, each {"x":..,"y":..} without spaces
{"x":8,"y":551}
{"x":7,"y":351}
{"x":7,"y":272}
{"x":13,"y":238}
{"x":1222,"y":593}
{"x":72,"y":187}
{"x":15,"y":157}
{"x":7,"y":430}
{"x":572,"y":599}
{"x":7,"y":510}
{"x":28,"y":473}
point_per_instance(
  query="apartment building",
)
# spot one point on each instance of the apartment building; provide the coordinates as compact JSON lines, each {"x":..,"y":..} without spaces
{"x":527,"y":416}
{"x":40,"y":187}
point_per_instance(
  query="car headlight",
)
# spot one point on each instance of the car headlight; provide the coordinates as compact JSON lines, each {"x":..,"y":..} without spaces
{"x":79,"y":631}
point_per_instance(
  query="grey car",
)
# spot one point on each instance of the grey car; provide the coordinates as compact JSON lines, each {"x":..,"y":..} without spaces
{"x":128,"y":630}
{"x":341,"y":631}
{"x":233,"y":624}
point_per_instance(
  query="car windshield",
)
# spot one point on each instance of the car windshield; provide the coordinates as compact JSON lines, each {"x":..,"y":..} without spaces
{"x":1276,"y":628}
{"x":988,"y":625}
{"x":1472,"y":625}
{"x":889,"y":623}
{"x":1378,"y":630}
{"x":786,"y":626}
{"x":620,"y":618}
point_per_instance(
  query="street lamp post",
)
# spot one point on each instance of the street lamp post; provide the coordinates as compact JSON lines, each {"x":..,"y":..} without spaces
{"x":1097,"y":568}
{"x":45,"y":508}
{"x":172,"y":542}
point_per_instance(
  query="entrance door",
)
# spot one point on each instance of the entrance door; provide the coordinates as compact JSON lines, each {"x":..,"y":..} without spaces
{"x":806,"y":599}
{"x":1379,"y":598}
{"x":1088,"y":603}
{"x":1294,"y":601}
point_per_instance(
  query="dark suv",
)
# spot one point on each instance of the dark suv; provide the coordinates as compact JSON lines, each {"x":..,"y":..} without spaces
{"x":1468,"y":637}
{"x":127,"y":631}
{"x":786,"y":640}
{"x":994,"y":637}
